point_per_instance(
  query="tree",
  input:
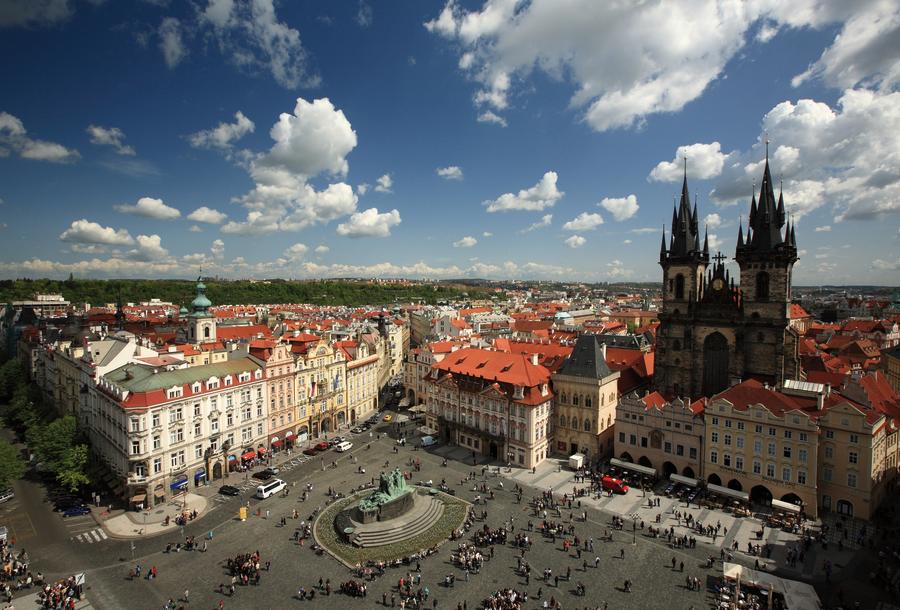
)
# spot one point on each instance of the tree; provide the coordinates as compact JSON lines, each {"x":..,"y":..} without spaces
{"x":52,"y":442}
{"x":11,"y":465}
{"x":71,"y":473}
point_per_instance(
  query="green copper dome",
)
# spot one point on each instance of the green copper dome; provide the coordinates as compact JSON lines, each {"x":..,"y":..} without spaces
{"x":200,"y":303}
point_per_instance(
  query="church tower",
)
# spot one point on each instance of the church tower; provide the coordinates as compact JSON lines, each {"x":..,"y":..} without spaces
{"x":201,"y":323}
{"x":684,"y":264}
{"x":713,"y":333}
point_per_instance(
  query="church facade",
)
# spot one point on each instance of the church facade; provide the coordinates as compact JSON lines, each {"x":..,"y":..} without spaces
{"x":716,"y":331}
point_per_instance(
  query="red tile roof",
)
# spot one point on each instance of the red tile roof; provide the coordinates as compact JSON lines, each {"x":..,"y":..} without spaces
{"x":797,"y":312}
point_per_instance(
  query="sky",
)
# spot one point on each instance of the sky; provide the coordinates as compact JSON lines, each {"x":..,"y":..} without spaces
{"x":496,"y":139}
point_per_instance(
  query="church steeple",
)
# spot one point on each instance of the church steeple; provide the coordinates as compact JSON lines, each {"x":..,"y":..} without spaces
{"x":685,"y":242}
{"x":662,"y":246}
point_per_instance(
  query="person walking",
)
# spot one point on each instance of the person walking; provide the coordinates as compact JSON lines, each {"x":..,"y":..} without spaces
{"x":186,"y":593}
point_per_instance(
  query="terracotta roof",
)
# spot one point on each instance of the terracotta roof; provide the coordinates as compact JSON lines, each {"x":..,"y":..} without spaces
{"x":233,"y":333}
{"x":797,"y":312}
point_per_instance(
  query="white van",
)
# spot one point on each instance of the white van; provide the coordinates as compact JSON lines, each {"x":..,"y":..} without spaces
{"x":270,"y":488}
{"x":427,"y":441}
{"x":344,"y":446}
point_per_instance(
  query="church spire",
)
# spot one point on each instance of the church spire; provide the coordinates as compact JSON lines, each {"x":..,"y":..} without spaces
{"x":662,"y":246}
{"x":740,"y":243}
{"x":706,"y":241}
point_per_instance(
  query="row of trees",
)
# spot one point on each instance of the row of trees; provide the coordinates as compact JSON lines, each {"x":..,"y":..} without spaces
{"x":318,"y":292}
{"x":57,"y":445}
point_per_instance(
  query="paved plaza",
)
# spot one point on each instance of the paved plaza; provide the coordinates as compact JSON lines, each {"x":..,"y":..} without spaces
{"x":647,"y":561}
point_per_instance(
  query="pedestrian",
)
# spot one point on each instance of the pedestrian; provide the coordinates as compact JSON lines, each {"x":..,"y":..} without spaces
{"x":621,"y":553}
{"x":186,"y":593}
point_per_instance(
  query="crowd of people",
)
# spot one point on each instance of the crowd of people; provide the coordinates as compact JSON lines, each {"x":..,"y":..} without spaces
{"x":61,"y":595}
{"x":15,"y":574}
{"x":244,"y":569}
{"x":505,"y":599}
{"x":468,"y":557}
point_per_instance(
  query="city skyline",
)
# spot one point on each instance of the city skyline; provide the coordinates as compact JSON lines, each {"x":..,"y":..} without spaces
{"x":440,"y":140}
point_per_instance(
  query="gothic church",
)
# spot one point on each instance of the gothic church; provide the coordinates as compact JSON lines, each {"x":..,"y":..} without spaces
{"x":713,"y":332}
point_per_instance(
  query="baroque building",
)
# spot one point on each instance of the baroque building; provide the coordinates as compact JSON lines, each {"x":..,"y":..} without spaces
{"x":713,"y":332}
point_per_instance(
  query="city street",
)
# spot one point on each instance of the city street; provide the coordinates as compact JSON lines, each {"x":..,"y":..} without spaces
{"x":647,"y":562}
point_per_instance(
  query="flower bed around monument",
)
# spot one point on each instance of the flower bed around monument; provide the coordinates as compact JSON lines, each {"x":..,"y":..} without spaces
{"x":452,"y":518}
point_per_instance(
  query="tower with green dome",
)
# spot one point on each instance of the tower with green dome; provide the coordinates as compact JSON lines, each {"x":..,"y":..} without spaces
{"x":201,"y":323}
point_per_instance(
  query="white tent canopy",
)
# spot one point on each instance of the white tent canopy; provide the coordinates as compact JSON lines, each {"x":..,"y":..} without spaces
{"x":677,"y":478}
{"x":785,"y":506}
{"x":797,"y":595}
{"x":727,"y":491}
{"x":645,"y":470}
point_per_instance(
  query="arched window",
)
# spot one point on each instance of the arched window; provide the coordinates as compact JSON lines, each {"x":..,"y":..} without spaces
{"x":562,"y":421}
{"x":575,"y":423}
{"x":587,"y":425}
{"x":588,"y":402}
{"x":563,"y":398}
{"x":679,"y":286}
{"x":762,"y":286}
{"x":206,"y":332}
{"x":575,"y":399}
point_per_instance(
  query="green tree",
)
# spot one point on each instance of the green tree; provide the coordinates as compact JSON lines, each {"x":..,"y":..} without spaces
{"x":72,"y":469}
{"x":52,"y":442}
{"x":11,"y":465}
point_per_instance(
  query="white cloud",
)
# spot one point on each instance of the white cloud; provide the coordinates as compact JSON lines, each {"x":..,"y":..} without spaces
{"x":488,"y":116}
{"x":315,"y":139}
{"x":87,"y":232}
{"x":149,"y":248}
{"x":883,"y":265}
{"x":323,"y":249}
{"x":451,"y":172}
{"x":626,"y":242}
{"x":149,"y":207}
{"x":384,"y":184}
{"x":622,"y":208}
{"x":224,"y":134}
{"x":218,"y":249}
{"x":584,"y":222}
{"x":576,"y":241}
{"x":714,"y":242}
{"x":712,"y":221}
{"x":364,"y":14}
{"x":110,"y":136}
{"x":369,"y":223}
{"x":545,"y":221}
{"x":171,"y":42}
{"x":645,"y":230}
{"x":487,"y":234}
{"x":252,"y":37}
{"x":542,"y":195}
{"x":466,"y":242}
{"x":88,"y":248}
{"x":207,"y":215}
{"x":848,"y":156}
{"x":823,"y":229}
{"x":195,"y":229}
{"x":363,"y":188}
{"x":28,"y":13}
{"x":296,"y":252}
{"x":704,"y":161}
{"x":13,"y":136}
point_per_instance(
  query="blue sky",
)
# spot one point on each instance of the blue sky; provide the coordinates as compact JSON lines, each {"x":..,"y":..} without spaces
{"x":310,"y":135}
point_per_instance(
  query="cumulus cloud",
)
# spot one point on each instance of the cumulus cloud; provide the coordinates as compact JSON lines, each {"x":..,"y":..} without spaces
{"x":466,"y":242}
{"x":14,"y":137}
{"x":848,"y":155}
{"x":110,"y":136}
{"x":148,"y":207}
{"x":195,"y":229}
{"x":585,"y":221}
{"x":384,"y":184}
{"x":315,"y":139}
{"x":542,"y":195}
{"x":218,"y":249}
{"x":207,"y":215}
{"x":87,"y":232}
{"x":576,"y":241}
{"x":323,"y":249}
{"x":713,"y":221}
{"x":224,"y":134}
{"x":295,"y":252}
{"x":250,"y":34}
{"x":451,"y":172}
{"x":149,"y":248}
{"x":362,"y":188}
{"x":369,"y":223}
{"x":622,"y":208}
{"x":487,"y":234}
{"x":883,"y":265}
{"x":171,"y":42}
{"x":615,"y":59}
{"x":704,"y":161}
{"x":545,"y":221}
{"x":626,"y":242}
{"x":489,"y":116}
{"x":31,"y":13}
{"x":364,"y":14}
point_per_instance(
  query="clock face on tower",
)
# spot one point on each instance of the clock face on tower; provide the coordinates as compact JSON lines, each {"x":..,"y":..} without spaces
{"x":718,"y":284}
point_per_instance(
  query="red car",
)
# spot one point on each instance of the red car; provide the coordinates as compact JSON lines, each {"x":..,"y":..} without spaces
{"x":323,"y":446}
{"x":310,"y":451}
{"x":616,"y":485}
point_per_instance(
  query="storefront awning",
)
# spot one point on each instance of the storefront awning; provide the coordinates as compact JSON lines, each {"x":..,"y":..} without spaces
{"x":159,"y":493}
{"x":261,"y":451}
{"x":180,"y":484}
{"x":138,"y":498}
{"x":200,"y":474}
{"x":232,"y":458}
{"x":785,"y":506}
{"x":277,"y":443}
{"x":290,"y":437}
{"x":743,"y":496}
{"x":645,"y":470}
{"x":677,"y":478}
{"x":249,"y":455}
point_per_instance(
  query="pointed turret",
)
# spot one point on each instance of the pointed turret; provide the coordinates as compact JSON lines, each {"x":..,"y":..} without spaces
{"x":767,"y":239}
{"x":793,"y":240}
{"x":740,"y":242}
{"x":685,"y":241}
{"x":779,"y":212}
{"x":706,"y":241}
{"x":662,"y":246}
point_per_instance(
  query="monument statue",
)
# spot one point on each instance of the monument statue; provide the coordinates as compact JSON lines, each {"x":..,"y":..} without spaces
{"x":391,"y":486}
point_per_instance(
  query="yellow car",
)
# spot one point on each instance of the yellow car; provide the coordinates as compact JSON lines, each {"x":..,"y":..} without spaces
{"x":388,"y":417}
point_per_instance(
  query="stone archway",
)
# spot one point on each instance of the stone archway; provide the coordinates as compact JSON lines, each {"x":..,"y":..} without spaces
{"x":326,"y":425}
{"x":735,"y":485}
{"x":714,"y":479}
{"x":668,"y":468}
{"x":411,"y":394}
{"x":217,"y":470}
{"x":352,"y":416}
{"x":760,"y":494}
{"x":626,"y":457}
{"x":792,"y":498}
{"x":341,"y":418}
{"x":715,"y":364}
{"x":645,"y":461}
{"x":688,"y":472}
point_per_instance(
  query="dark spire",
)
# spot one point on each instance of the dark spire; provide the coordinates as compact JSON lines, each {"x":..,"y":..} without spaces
{"x":706,"y":241}
{"x":685,"y":234}
{"x":780,"y":210}
{"x":740,"y":243}
{"x":793,"y":239}
{"x":766,"y":225}
{"x":662,"y":246}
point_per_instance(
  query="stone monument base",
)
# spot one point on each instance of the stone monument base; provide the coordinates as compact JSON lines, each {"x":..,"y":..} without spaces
{"x":388,"y":510}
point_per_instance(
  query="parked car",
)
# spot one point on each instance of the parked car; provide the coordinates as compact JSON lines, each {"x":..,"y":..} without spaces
{"x":323,"y":446}
{"x":343,"y":446}
{"x":273,"y":469}
{"x":357,"y":429}
{"x":311,"y":451}
{"x":7,"y":494}
{"x":229,"y":490}
{"x":388,"y":417}
{"x":263,"y":475}
{"x":76,"y":511}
